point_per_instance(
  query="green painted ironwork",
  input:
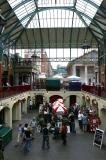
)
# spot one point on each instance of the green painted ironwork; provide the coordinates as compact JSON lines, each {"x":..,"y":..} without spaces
{"x":1,"y":50}
{"x":41,"y":9}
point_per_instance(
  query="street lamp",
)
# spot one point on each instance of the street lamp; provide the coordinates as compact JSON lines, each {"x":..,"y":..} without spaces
{"x":2,"y":24}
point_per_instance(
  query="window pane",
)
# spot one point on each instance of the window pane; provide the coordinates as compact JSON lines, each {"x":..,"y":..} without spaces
{"x":86,"y":8}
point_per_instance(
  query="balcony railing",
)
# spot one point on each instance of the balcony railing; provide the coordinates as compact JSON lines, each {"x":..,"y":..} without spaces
{"x":96,"y":90}
{"x":13,"y":90}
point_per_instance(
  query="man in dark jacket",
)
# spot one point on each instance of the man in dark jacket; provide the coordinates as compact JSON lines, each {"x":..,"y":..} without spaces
{"x":45,"y":133}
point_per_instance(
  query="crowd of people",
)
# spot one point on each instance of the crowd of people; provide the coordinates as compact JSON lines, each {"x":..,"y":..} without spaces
{"x":26,"y":133}
{"x":58,"y":124}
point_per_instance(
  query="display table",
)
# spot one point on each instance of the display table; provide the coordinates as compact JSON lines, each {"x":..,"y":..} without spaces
{"x":5,"y":135}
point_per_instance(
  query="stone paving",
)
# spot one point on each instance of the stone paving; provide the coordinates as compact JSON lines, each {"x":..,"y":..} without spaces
{"x":79,"y":147}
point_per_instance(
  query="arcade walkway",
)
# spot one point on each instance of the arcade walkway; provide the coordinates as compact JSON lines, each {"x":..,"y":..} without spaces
{"x":79,"y":147}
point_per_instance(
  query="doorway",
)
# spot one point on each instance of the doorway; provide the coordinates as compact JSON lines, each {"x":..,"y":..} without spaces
{"x":72,"y":100}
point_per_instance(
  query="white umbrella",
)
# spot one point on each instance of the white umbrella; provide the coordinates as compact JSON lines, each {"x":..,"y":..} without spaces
{"x":74,"y":78}
{"x":41,"y":76}
{"x":58,"y":76}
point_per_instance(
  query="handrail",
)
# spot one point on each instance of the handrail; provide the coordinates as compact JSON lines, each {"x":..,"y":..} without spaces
{"x":97,"y":90}
{"x":13,"y":90}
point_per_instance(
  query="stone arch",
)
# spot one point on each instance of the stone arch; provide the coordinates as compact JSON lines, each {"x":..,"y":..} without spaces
{"x":2,"y":115}
{"x":103,"y":118}
{"x":23,"y":104}
{"x":28,"y":99}
{"x":16,"y":111}
{"x":5,"y":116}
{"x":87,"y":99}
{"x":54,"y":98}
{"x":83,"y":101}
{"x":38,"y":100}
{"x":67,"y":99}
{"x":72,"y":100}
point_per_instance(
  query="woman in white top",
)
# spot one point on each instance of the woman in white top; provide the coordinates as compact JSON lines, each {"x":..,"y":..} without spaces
{"x":80,"y":116}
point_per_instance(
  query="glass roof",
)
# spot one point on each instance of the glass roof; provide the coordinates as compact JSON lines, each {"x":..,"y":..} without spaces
{"x":55,"y":13}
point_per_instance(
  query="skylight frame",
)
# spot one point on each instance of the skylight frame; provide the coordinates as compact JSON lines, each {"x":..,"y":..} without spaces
{"x":86,"y":7}
{"x":53,"y":21}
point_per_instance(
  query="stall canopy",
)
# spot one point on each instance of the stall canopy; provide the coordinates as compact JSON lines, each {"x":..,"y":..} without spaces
{"x":42,"y":76}
{"x":74,"y":78}
{"x":57,"y":76}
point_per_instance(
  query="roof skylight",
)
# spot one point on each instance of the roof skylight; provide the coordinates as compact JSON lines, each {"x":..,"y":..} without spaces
{"x":55,"y":13}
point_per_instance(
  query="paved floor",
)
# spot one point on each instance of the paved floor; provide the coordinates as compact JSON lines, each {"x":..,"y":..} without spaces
{"x":79,"y":147}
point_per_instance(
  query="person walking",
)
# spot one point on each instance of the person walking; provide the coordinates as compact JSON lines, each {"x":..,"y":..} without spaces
{"x":45,"y":140}
{"x":71,"y":118}
{"x":20,"y":134}
{"x":30,"y":105}
{"x":27,"y":139}
{"x":33,"y":125}
{"x":85,"y":122}
{"x":63,"y":131}
{"x":80,"y":115}
{"x":56,"y":132}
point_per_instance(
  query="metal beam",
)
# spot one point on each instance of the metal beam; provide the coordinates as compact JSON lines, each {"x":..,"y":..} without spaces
{"x":92,"y":3}
{"x":39,"y":23}
{"x":48,"y":8}
{"x":88,"y":28}
{"x":96,"y":24}
{"x":72,"y":27}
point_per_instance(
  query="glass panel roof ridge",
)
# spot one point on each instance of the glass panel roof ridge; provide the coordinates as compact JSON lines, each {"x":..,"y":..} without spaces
{"x":24,"y":8}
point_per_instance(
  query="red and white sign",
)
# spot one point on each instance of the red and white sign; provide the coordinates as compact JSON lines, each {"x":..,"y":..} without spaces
{"x":58,"y":106}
